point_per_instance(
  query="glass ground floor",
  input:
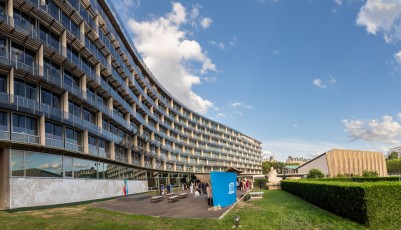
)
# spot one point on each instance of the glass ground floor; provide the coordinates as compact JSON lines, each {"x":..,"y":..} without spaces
{"x":52,"y":177}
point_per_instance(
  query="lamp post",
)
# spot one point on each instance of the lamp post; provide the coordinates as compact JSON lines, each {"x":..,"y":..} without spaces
{"x":236,"y":222}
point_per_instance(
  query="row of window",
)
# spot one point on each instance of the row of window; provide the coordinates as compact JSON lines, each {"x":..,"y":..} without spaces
{"x":68,"y":81}
{"x":37,"y":164}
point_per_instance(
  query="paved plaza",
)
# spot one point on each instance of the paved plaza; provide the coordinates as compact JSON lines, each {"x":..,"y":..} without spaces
{"x":190,"y":207}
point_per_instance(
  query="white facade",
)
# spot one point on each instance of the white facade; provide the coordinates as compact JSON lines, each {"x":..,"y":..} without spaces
{"x":31,"y":192}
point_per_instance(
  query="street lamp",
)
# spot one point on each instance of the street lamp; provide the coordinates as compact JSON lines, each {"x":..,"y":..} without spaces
{"x":236,"y":222}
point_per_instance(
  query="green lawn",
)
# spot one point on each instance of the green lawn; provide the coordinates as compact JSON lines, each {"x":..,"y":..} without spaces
{"x":277,"y":210}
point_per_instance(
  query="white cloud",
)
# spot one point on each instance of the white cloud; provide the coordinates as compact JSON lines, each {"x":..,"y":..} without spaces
{"x":170,"y":55}
{"x":220,"y":45}
{"x":50,"y":166}
{"x":240,"y":105}
{"x":210,"y":79}
{"x":381,"y":16}
{"x":397,"y":57}
{"x":205,"y":23}
{"x":317,"y":82}
{"x":323,"y":84}
{"x":234,"y":41}
{"x":223,"y":115}
{"x":296,"y":125}
{"x":294,"y":147}
{"x":338,"y":2}
{"x":276,"y":52}
{"x":383,"y":131}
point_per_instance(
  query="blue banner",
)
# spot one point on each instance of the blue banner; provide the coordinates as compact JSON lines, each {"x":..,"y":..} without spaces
{"x":224,"y":190}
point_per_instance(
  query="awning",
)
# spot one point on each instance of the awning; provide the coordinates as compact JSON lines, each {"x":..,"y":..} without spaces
{"x":203,"y":177}
{"x":235,"y":170}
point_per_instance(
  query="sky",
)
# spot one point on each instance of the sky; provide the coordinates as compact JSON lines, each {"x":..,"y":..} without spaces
{"x":302,"y":76}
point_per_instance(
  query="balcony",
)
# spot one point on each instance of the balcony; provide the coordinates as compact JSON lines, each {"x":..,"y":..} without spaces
{"x":24,"y":137}
{"x":54,"y":142}
{"x":73,"y":147}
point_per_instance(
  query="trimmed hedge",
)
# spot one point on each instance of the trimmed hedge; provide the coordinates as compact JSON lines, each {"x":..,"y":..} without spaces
{"x":374,"y":204}
{"x":360,"y":179}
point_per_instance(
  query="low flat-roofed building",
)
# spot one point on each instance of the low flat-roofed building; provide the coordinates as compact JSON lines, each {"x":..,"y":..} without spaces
{"x":341,"y":162}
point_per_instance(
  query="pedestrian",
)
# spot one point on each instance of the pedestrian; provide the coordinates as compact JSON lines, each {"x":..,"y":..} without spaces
{"x":192,"y":187}
{"x":260,"y":184}
{"x":162,"y":189}
{"x":209,"y":194}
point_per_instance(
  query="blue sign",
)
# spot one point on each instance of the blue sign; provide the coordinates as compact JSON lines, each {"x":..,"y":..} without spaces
{"x":224,"y":190}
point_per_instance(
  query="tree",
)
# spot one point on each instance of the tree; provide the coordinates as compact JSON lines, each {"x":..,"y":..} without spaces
{"x":315,"y":173}
{"x":393,"y":166}
{"x":392,"y":156}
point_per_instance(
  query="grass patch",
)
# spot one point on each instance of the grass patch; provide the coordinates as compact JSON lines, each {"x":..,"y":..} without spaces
{"x":277,"y":210}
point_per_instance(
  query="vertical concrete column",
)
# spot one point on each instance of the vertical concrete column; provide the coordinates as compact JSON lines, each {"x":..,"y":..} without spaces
{"x":126,"y":81}
{"x":128,"y":118}
{"x":64,"y":101}
{"x":174,"y":166}
{"x":82,"y":32}
{"x":83,"y":85}
{"x":135,"y":140}
{"x":142,"y":160}
{"x":134,"y":107}
{"x":64,"y":43}
{"x":140,"y":98}
{"x":39,"y":59}
{"x":97,"y":70}
{"x":5,"y":177}
{"x":153,"y":163}
{"x":108,"y":58}
{"x":99,"y":119}
{"x":11,"y":85}
{"x":151,"y":109}
{"x":112,"y":151}
{"x":96,"y":20}
{"x":85,"y":141}
{"x":129,"y":156}
{"x":146,"y":118}
{"x":110,"y":103}
{"x":42,"y":131}
{"x":164,"y":165}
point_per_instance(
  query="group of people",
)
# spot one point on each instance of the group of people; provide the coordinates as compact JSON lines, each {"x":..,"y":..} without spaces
{"x":199,"y":188}
{"x":244,"y":185}
{"x":169,"y":189}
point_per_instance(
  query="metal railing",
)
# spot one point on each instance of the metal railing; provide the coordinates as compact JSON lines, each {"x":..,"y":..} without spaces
{"x":24,"y":137}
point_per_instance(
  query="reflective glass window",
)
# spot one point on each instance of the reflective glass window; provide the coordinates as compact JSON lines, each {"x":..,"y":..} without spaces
{"x":3,"y":48}
{"x":68,"y":166}
{"x":3,"y":83}
{"x":43,"y":165}
{"x":17,"y":163}
{"x":3,"y":121}
{"x":85,"y":168}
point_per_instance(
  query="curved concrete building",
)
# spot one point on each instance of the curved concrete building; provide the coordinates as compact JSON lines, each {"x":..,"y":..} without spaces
{"x":80,"y":112}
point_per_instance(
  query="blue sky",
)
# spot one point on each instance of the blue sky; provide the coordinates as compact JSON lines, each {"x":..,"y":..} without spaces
{"x":301,"y":76}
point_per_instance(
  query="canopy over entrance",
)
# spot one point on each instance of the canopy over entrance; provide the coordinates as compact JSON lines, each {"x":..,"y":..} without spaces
{"x":203,"y":177}
{"x":231,"y":169}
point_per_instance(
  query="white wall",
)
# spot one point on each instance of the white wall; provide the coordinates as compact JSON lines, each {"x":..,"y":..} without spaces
{"x":30,"y":192}
{"x":319,"y":163}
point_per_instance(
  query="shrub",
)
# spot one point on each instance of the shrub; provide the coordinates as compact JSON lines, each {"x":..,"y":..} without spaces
{"x":315,"y":173}
{"x":257,"y":181}
{"x":247,"y":197}
{"x":370,"y":174}
{"x":375,"y":204}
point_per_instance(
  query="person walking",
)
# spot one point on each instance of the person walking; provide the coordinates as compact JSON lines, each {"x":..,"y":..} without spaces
{"x":191,"y":187}
{"x":209,"y":194}
{"x":260,"y":184}
{"x":162,"y":189}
